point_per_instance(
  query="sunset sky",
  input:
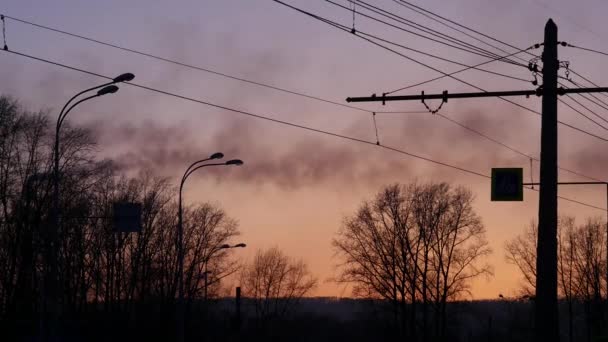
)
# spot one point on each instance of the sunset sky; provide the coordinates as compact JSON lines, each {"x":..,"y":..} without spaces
{"x":297,"y":186}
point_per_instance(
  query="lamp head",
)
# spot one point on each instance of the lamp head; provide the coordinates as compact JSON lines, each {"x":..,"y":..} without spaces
{"x":111,"y":89}
{"x":236,"y":162}
{"x":124,"y":77}
{"x":217,"y":155}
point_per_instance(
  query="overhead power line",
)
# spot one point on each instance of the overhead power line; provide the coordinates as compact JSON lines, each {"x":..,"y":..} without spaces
{"x":282,"y":122}
{"x":243,"y":112}
{"x":460,"y":44}
{"x":346,"y":29}
{"x":487,"y":137}
{"x":255,"y":82}
{"x":585,"y":49}
{"x":455,"y":72}
{"x":581,"y":113}
{"x":433,"y":16}
{"x":596,"y":100}
{"x":459,"y":25}
{"x":453,"y":28}
{"x":186,"y":65}
{"x":359,"y":32}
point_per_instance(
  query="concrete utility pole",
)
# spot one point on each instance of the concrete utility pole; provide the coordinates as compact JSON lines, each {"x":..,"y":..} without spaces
{"x":546,"y":317}
{"x":547,"y":323}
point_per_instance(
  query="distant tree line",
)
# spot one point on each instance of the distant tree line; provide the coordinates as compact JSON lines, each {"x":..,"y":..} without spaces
{"x":99,"y":271}
{"x":582,"y":273}
{"x":409,"y":254}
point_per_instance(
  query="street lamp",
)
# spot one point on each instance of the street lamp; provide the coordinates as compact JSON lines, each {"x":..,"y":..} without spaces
{"x":180,"y":234}
{"x":104,"y":89}
{"x":206,"y":272}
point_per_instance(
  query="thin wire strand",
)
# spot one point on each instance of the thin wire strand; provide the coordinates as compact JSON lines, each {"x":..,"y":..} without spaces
{"x":588,"y":109}
{"x":419,"y":9}
{"x":588,"y":81}
{"x":425,"y":29}
{"x":457,"y":72}
{"x":589,"y":97}
{"x":422,"y":36}
{"x":190,"y":66}
{"x":341,"y":27}
{"x":581,"y":113}
{"x":481,"y":134}
{"x":467,"y":67}
{"x":282,"y":122}
{"x":456,"y":29}
{"x":460,"y":25}
{"x":587,"y":49}
{"x":238,"y":111}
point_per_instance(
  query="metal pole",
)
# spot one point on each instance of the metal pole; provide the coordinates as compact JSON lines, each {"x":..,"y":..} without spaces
{"x":238,"y":308}
{"x":546,"y":320}
{"x":50,"y":284}
{"x":206,"y":283}
{"x":180,"y":271}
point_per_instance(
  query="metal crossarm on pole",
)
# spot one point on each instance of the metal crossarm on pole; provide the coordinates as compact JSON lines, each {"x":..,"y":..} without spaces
{"x":446,"y":95}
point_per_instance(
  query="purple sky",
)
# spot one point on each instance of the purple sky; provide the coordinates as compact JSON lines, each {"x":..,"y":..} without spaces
{"x":296,"y":185}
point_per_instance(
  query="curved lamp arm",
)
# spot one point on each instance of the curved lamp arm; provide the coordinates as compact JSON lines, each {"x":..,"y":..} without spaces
{"x":63,"y":114}
{"x":59,"y":119}
{"x":118,"y":79}
{"x":217,"y":155}
{"x":189,"y":172}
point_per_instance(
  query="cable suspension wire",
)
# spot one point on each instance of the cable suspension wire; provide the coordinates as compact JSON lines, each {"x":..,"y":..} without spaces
{"x":420,"y":11}
{"x":496,"y":58}
{"x":202,"y":69}
{"x":586,"y":49}
{"x":486,"y":136}
{"x":432,"y":16}
{"x":472,"y":130}
{"x":278,"y":121}
{"x":425,"y":29}
{"x":467,"y":67}
{"x":591,"y":97}
{"x":580,"y":113}
{"x":411,"y":32}
{"x":344,"y":28}
{"x":589,"y":110}
{"x":186,"y":65}
{"x":460,"y":25}
{"x":456,"y":72}
{"x":585,"y":107}
{"x":456,"y":29}
{"x":243,"y":112}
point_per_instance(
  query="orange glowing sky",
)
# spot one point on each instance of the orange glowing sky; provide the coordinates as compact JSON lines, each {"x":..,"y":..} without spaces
{"x":296,"y":185}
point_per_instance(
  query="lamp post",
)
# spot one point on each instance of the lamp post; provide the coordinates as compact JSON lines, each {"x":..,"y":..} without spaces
{"x":180,"y":234}
{"x":103,"y":89}
{"x":206,"y":272}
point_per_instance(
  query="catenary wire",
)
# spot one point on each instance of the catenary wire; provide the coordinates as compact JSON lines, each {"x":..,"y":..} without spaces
{"x":282,"y":122}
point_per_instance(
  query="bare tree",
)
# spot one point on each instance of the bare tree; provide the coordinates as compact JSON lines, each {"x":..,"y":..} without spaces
{"x":521,"y":251}
{"x":276,"y":283}
{"x":581,"y":266}
{"x":414,"y":244}
{"x":98,"y":269}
